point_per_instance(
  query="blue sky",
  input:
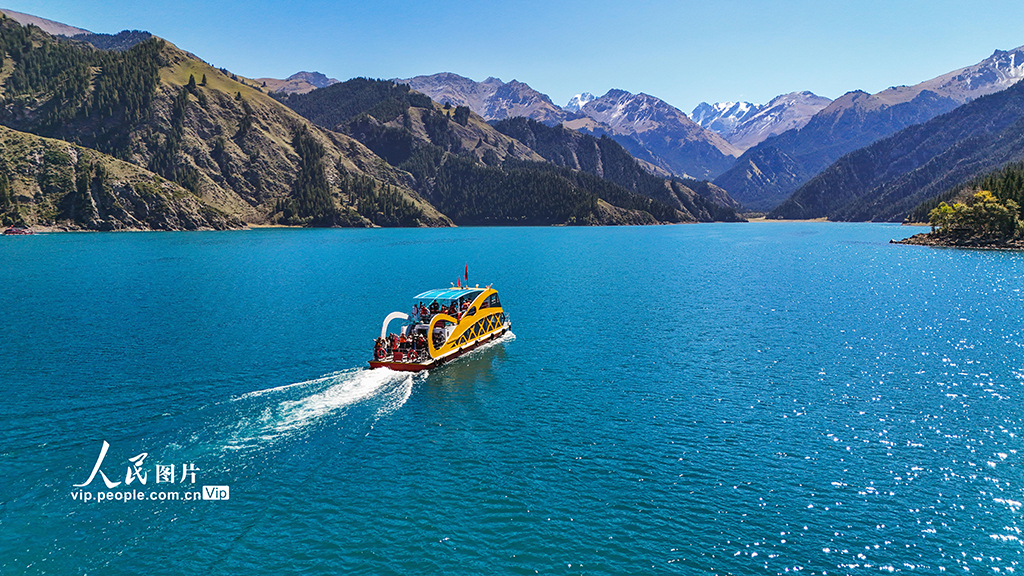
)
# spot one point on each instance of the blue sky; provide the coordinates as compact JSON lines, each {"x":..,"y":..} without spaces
{"x":683,"y":52}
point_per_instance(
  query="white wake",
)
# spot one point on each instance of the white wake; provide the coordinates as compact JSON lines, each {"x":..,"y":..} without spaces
{"x":287,"y":410}
{"x":266,"y":416}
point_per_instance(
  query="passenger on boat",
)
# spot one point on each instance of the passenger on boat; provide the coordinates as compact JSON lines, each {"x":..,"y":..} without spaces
{"x":434,"y":307}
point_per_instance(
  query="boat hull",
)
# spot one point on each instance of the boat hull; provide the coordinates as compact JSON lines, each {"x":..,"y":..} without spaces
{"x":435,"y":362}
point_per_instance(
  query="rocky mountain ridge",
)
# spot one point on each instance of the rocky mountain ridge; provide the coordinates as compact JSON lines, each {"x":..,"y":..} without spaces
{"x":886,"y":180}
{"x":298,"y":83}
{"x":231,"y":146}
{"x":492,"y":99}
{"x":578,"y":101}
{"x":723,"y":117}
{"x":453,"y":153}
{"x":768,"y":173}
{"x":657,"y":132}
{"x":745,"y":125}
{"x":48,"y":26}
{"x":651,"y":129}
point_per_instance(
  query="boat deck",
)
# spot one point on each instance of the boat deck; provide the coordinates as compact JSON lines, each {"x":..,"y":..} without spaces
{"x":416,"y":366}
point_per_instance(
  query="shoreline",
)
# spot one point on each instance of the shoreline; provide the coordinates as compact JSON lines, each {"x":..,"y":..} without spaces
{"x":965,"y":243}
{"x":42,"y":229}
{"x":763,"y":220}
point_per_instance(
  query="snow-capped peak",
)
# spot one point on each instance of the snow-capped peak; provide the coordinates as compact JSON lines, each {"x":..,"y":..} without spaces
{"x":723,"y":117}
{"x":578,"y":101}
{"x":744,"y":124}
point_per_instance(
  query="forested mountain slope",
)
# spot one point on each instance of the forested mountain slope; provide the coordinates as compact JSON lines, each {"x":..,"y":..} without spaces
{"x":215,"y":134}
{"x":652,"y":130}
{"x":607,"y":158}
{"x":472,"y":171}
{"x":377,"y":155}
{"x":64,"y":186}
{"x":1005,"y":183}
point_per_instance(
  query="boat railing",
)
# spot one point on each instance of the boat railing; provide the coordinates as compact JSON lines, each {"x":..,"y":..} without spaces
{"x":426,"y":318}
{"x":404,"y":353}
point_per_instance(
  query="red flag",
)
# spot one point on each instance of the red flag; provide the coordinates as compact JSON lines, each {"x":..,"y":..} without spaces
{"x":467,"y":272}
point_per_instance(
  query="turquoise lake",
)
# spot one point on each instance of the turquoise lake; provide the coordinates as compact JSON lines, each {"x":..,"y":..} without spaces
{"x":761,"y":398}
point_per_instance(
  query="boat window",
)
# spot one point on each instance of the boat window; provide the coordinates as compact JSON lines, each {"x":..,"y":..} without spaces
{"x":472,"y":311}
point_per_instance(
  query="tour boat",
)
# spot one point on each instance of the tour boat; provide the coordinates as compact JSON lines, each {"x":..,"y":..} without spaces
{"x":446,"y":323}
{"x":15,"y":231}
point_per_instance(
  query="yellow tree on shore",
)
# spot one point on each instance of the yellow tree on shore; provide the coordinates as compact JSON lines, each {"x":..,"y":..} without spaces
{"x":982,"y":215}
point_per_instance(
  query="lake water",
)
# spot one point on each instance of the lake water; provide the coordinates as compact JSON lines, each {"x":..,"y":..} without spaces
{"x":726,"y":399}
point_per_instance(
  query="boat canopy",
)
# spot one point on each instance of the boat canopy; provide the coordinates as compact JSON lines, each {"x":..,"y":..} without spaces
{"x":448,"y":294}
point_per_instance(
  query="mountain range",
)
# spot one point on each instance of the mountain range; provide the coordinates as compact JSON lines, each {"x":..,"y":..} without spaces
{"x":768,"y":173}
{"x":492,"y":99}
{"x":649,"y":128}
{"x":780,"y":145}
{"x":888,"y":179}
{"x":211,"y":149}
{"x":226,"y":144}
{"x":745,"y":125}
{"x":508,"y":159}
{"x":657,"y":132}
